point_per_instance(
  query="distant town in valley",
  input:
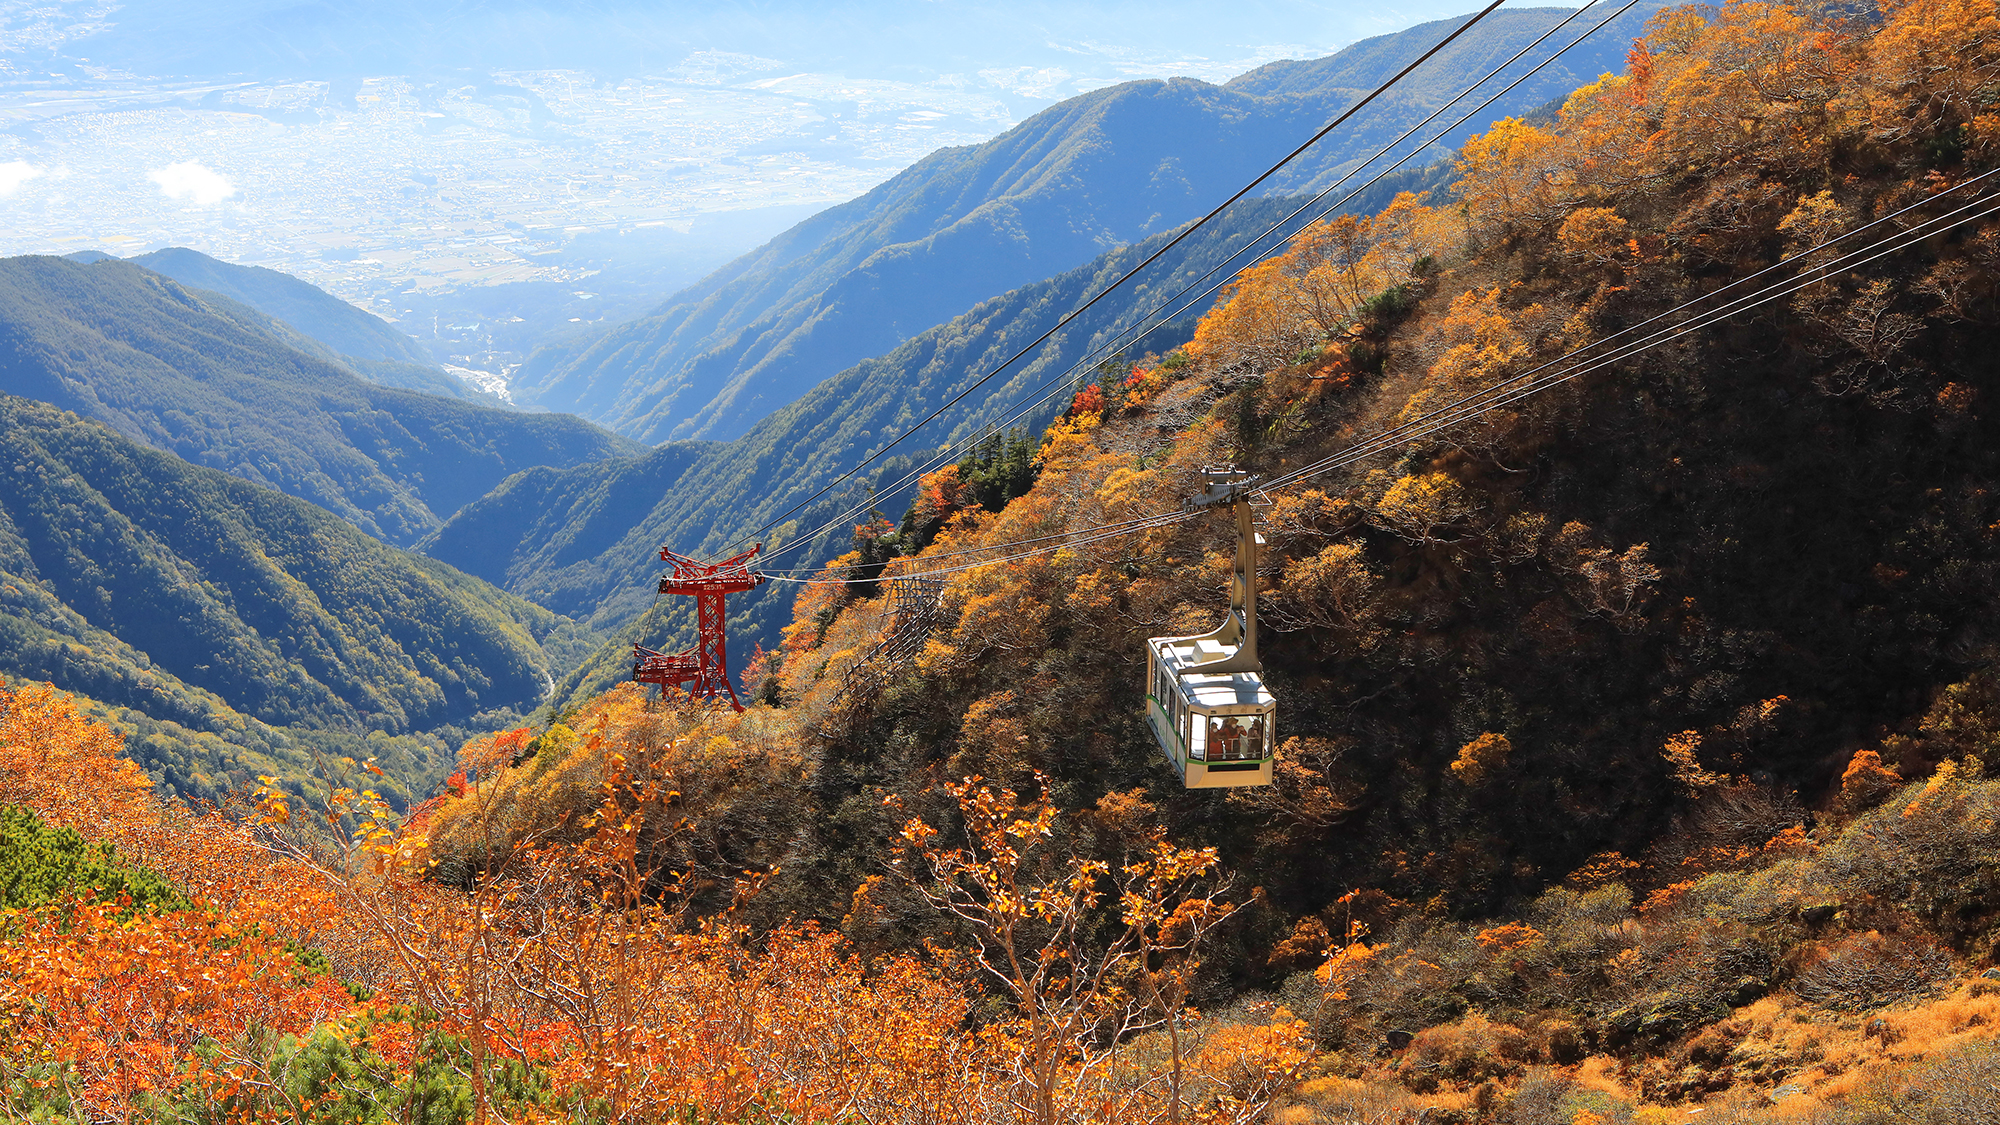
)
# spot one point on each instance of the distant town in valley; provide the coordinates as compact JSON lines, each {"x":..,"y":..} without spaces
{"x":574,"y":197}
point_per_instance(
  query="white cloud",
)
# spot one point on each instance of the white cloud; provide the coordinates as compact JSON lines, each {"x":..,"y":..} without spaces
{"x":13,"y":174}
{"x":190,"y":180}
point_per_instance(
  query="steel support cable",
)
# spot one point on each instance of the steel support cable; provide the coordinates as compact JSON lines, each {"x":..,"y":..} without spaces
{"x":1134,"y":524}
{"x":1131,"y":524}
{"x":1791,"y":262}
{"x":1790,"y":286}
{"x":1246,"y":189}
{"x":1505,"y":391}
{"x":1512,"y":390}
{"x":1059,"y":385}
{"x":942,"y":571}
{"x":1154,"y":319}
{"x":1147,"y":323}
{"x":1090,"y":535}
{"x":1500,"y":393}
{"x":1469,"y":406}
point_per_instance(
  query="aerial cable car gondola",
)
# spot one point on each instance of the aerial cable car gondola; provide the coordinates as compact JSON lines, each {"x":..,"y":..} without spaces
{"x":1205,"y":695}
{"x":1206,"y":702}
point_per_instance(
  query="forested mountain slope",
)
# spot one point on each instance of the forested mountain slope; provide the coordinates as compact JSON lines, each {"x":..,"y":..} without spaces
{"x":308,"y":308}
{"x":357,"y":339}
{"x":1588,"y":705}
{"x":205,"y":378}
{"x":196,"y":599}
{"x":584,"y":541}
{"x":1637,"y":737}
{"x":1744,"y":554}
{"x":963,"y":225}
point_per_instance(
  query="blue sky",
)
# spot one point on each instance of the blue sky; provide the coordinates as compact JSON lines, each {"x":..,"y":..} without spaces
{"x":908,"y":39}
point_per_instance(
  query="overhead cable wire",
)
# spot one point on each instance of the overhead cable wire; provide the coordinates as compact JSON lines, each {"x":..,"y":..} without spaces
{"x":1148,"y":322}
{"x":1985,"y":208}
{"x":1155,"y":317}
{"x":1273,"y":170}
{"x":1513,"y":389}
{"x":1408,"y":430}
{"x":957,"y":568}
{"x":1087,"y":535}
{"x":1131,"y":524}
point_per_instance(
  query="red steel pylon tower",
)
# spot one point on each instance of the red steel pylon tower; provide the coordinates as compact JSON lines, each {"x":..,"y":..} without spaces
{"x":704,"y":669}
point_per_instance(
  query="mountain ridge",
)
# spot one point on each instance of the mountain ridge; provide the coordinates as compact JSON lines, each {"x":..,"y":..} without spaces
{"x":962,"y":225}
{"x":206,"y":379}
{"x":317,"y":322}
{"x":202,"y":601}
{"x":321,"y":315}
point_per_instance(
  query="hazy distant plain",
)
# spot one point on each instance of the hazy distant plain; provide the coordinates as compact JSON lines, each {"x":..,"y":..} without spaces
{"x":411,"y":186}
{"x":575,"y":194}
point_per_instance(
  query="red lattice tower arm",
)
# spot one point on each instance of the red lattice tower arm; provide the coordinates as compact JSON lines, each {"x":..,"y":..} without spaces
{"x":704,"y":669}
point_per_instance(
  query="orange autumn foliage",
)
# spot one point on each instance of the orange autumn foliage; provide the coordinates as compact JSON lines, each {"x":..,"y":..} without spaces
{"x":1866,"y":781}
{"x":561,"y":957}
{"x":1479,"y":759}
{"x":121,"y":1006}
{"x":1089,"y":400}
{"x":1322,"y":286}
{"x":113,"y":1008}
{"x":574,"y":936}
{"x":1604,"y":868}
{"x":1508,"y":937}
{"x":65,"y":767}
{"x":941,"y":495}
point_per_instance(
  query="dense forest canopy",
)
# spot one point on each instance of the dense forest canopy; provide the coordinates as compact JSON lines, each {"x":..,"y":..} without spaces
{"x":1636,"y":734}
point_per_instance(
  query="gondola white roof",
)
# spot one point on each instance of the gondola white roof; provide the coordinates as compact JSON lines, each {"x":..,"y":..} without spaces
{"x":1184,"y":658}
